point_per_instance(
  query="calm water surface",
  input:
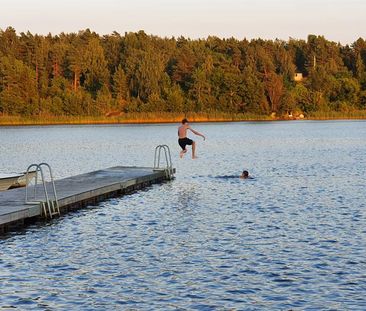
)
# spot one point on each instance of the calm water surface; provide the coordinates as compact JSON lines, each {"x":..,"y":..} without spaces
{"x":292,"y":238}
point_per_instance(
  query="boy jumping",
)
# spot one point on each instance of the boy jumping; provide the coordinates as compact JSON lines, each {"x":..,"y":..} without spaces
{"x":183,"y":140}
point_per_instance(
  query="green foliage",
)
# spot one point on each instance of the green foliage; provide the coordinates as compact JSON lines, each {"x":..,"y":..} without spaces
{"x":362,"y":103}
{"x":120,"y":86}
{"x":94,"y":67}
{"x":175,"y":101}
{"x":84,"y":74}
{"x":18,"y":91}
{"x":252,"y":93}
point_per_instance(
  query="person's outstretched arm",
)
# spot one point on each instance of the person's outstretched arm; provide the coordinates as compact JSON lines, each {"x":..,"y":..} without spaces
{"x":197,"y":133}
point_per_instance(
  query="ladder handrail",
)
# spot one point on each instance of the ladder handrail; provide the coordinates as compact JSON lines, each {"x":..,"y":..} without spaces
{"x":27,"y":181}
{"x":52,"y":180}
{"x":52,"y":205}
{"x":168,"y":159}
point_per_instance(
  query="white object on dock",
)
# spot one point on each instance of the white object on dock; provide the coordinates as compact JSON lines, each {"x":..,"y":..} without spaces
{"x":9,"y":181}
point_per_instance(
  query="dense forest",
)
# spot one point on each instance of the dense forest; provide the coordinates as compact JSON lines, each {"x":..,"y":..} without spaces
{"x":85,"y":74}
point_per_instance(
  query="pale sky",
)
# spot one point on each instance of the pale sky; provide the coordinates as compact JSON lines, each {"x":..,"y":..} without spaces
{"x":337,"y":20}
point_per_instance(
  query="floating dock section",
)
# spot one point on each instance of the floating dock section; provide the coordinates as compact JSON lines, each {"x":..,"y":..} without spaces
{"x":77,"y":192}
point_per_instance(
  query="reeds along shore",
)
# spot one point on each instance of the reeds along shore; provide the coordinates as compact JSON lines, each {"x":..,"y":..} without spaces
{"x":129,"y":118}
{"x":165,"y":117}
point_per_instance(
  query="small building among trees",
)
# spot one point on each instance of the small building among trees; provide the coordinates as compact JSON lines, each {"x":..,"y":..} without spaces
{"x":298,"y":77}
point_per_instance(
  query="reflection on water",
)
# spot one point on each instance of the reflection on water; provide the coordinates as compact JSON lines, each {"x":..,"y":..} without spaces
{"x":292,"y":238}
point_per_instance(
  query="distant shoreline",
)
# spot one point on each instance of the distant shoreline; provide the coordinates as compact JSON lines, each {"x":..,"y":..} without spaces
{"x":162,"y":118}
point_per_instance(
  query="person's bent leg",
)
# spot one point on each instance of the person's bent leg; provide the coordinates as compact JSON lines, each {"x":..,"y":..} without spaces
{"x":181,"y":154}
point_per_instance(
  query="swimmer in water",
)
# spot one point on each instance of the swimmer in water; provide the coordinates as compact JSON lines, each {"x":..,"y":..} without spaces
{"x":245,"y":175}
{"x":183,"y":140}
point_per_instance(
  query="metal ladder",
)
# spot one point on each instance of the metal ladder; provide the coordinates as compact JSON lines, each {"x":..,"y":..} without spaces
{"x":169,"y":171}
{"x":49,"y":207}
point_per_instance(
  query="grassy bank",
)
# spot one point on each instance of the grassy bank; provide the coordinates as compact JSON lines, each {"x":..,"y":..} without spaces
{"x":129,"y":118}
{"x":164,"y":117}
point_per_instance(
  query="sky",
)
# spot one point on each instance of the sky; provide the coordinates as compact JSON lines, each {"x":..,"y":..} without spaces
{"x":338,"y":20}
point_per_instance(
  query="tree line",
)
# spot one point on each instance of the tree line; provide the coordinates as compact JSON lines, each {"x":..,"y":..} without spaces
{"x":85,"y":74}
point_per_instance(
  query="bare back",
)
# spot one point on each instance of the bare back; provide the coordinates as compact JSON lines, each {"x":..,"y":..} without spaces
{"x":182,"y":131}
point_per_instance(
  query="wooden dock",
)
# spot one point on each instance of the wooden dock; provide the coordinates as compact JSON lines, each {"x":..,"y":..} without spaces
{"x":76,"y":192}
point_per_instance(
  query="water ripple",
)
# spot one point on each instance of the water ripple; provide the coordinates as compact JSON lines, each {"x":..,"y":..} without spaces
{"x":293,"y":238}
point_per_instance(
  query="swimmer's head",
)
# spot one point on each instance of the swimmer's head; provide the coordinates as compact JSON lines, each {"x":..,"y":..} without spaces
{"x":245,"y":174}
{"x":184,"y":121}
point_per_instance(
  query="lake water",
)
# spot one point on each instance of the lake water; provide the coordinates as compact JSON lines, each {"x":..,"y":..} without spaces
{"x":292,"y":238}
